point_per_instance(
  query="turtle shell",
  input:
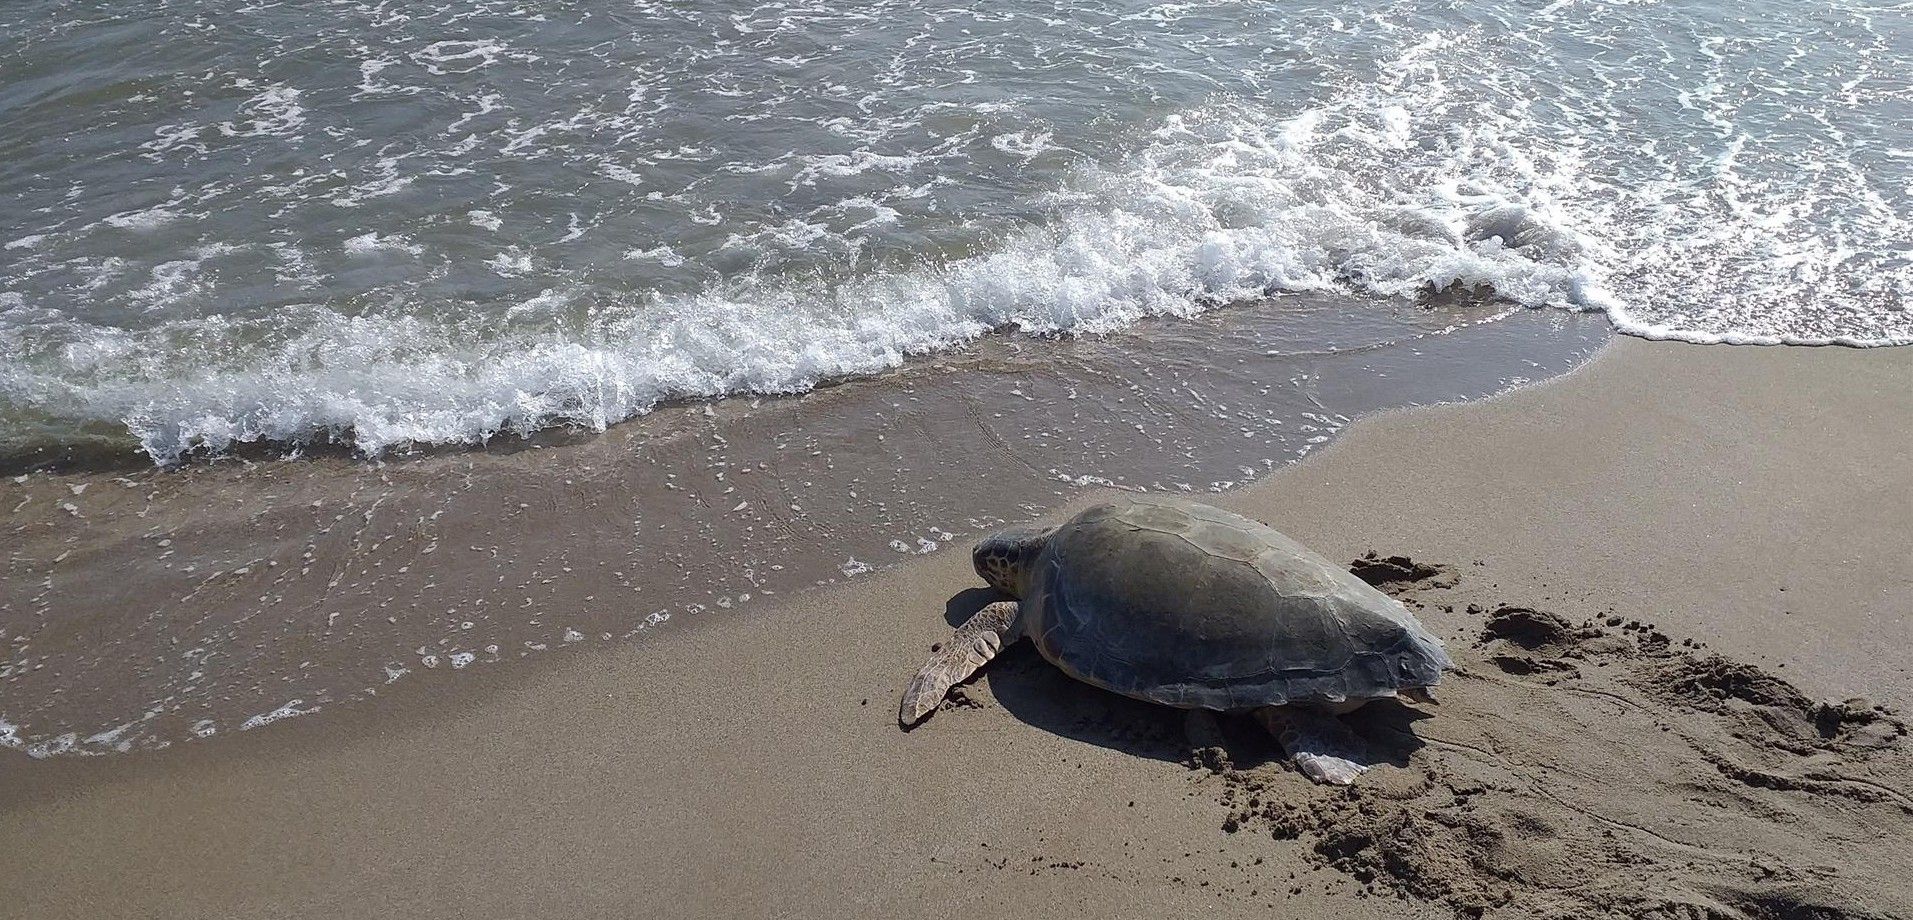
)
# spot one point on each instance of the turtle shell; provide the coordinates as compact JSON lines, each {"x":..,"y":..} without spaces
{"x":1191,"y":606}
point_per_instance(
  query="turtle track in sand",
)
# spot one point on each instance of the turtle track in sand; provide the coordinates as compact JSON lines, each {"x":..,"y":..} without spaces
{"x":1599,"y":769}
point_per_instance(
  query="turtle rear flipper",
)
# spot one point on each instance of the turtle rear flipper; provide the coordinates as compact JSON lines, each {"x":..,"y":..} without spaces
{"x":975,"y":643}
{"x":1321,"y":746}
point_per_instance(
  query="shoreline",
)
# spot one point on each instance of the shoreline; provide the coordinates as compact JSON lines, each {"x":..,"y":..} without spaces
{"x":147,"y":609}
{"x":1743,"y":499}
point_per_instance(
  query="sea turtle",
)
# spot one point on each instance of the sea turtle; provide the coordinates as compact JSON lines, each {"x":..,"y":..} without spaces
{"x":1186,"y":605}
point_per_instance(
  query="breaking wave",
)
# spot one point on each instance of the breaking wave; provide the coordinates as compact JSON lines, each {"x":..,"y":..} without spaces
{"x":1443,"y":168}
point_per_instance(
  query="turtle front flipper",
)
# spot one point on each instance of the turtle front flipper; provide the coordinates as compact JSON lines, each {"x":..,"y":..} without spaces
{"x":1321,"y":746}
{"x":975,"y":643}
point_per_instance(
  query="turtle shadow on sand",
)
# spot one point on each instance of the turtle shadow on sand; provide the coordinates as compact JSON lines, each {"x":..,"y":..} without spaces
{"x":1043,"y":697}
{"x":965,"y":603}
{"x":1191,"y":607}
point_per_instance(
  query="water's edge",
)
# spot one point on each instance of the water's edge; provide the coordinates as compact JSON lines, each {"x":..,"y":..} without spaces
{"x":148,"y":607}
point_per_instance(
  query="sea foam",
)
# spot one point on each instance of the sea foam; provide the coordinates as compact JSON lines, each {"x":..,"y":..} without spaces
{"x":1445,"y":167}
{"x":1217,"y":206}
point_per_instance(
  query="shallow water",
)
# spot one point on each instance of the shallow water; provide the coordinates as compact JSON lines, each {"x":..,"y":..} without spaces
{"x":141,"y":608}
{"x":410,"y":222}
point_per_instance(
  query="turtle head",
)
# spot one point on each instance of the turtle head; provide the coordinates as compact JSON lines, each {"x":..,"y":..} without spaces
{"x":1005,"y":558}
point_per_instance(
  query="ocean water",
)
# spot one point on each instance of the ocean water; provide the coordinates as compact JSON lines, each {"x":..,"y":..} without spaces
{"x":396,"y":223}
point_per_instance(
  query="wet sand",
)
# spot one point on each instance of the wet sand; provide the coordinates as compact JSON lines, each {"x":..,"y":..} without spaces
{"x":1664,"y":576}
{"x":141,"y":608}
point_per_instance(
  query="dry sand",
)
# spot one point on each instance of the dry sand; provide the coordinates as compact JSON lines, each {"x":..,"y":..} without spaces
{"x":1652,"y":572}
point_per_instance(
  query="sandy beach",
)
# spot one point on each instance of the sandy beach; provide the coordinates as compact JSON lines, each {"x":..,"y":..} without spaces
{"x":503,"y":460}
{"x":1666,"y":578}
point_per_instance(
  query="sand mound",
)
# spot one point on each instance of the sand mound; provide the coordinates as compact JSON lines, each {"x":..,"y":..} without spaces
{"x":1389,"y":571}
{"x":1603,"y":770}
{"x":1711,"y":683}
{"x":1530,"y":629}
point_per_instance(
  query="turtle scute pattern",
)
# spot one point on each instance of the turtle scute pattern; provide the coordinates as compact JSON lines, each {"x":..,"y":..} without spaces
{"x":1195,"y":607}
